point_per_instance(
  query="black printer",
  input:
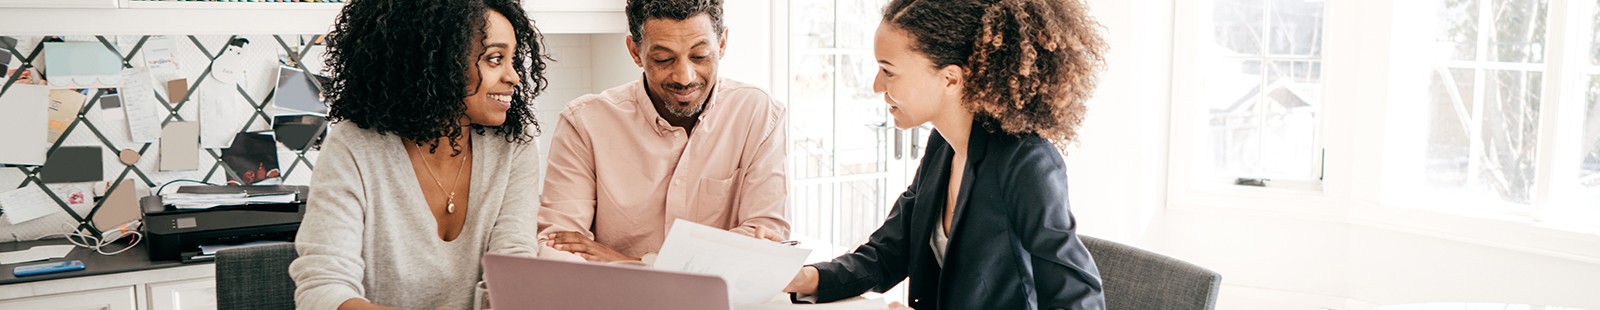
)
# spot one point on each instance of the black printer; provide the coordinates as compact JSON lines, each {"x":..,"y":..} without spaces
{"x":175,"y":233}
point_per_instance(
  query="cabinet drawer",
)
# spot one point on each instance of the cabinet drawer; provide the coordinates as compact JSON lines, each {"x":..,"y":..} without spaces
{"x":193,"y":294}
{"x":116,"y":298}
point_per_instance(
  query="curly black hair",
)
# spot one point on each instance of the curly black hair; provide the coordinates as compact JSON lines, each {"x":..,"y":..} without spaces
{"x":400,"y":67}
{"x":641,"y":10}
{"x":1030,"y":64}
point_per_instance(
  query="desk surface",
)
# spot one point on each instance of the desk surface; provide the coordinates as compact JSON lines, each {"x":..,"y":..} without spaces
{"x":136,"y":259}
{"x":1469,"y":306}
{"x":856,"y":303}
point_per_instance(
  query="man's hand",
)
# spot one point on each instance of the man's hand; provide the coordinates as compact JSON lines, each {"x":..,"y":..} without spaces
{"x":763,"y":233}
{"x":590,"y":250}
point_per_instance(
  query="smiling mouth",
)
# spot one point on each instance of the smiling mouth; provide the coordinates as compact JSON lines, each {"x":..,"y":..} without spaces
{"x":683,"y":97}
{"x":503,"y":98}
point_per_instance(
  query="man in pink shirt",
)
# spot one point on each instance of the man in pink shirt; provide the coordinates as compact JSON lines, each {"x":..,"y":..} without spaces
{"x":680,"y":143}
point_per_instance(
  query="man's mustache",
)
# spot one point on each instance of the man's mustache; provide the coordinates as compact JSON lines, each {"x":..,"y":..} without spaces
{"x":676,"y":87}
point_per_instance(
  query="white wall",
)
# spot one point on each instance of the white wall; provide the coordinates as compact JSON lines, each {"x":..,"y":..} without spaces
{"x":1126,"y":123}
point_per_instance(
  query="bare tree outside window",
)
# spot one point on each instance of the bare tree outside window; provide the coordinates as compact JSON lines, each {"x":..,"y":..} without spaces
{"x":1589,"y":172}
{"x":1486,"y":95}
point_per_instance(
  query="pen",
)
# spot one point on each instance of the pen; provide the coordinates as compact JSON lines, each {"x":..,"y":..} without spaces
{"x":790,"y":242}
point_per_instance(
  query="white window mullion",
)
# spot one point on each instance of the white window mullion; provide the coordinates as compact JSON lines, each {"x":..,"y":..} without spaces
{"x":1475,"y":149}
{"x":1562,"y":108}
{"x":1262,"y":110}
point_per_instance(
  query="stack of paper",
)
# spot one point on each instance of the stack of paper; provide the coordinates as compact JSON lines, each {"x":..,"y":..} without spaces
{"x":211,"y":249}
{"x":206,"y":201}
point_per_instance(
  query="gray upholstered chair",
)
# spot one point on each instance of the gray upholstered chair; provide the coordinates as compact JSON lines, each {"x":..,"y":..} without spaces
{"x":255,"y":277}
{"x":1139,"y":279}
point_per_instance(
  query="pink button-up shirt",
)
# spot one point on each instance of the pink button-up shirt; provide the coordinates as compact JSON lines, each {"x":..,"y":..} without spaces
{"x":620,"y":174}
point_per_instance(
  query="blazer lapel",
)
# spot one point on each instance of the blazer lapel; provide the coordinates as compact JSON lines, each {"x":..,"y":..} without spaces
{"x":977,"y":147}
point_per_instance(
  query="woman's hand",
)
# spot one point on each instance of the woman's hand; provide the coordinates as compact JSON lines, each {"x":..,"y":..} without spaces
{"x":590,"y":250}
{"x":804,"y":282}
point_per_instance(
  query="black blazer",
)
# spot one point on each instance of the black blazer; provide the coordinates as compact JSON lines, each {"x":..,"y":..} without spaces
{"x":1012,"y":242}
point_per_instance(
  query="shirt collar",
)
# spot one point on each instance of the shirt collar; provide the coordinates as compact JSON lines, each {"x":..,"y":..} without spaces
{"x":662,"y":127}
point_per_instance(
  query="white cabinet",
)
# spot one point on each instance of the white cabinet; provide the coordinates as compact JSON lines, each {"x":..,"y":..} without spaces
{"x":172,"y":288}
{"x":102,"y":4}
{"x":195,"y":294}
{"x":115,"y":298}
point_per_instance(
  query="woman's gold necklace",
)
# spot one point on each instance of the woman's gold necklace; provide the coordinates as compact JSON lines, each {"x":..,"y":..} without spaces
{"x":450,"y":198}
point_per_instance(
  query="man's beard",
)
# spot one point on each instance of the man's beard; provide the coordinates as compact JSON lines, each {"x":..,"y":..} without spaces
{"x":683,"y":109}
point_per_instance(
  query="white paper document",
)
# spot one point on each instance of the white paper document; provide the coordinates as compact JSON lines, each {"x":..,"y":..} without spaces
{"x":36,"y":253}
{"x":755,"y":269}
{"x":158,"y":56}
{"x":207,"y":249}
{"x":29,"y":203}
{"x":139,"y":103}
{"x":23,"y":124}
{"x":221,"y":114}
{"x":207,"y":201}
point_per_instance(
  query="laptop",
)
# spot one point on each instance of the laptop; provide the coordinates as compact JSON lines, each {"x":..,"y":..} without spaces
{"x":533,"y":283}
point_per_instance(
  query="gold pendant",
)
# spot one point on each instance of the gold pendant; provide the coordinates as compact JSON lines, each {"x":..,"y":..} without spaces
{"x":450,"y":204}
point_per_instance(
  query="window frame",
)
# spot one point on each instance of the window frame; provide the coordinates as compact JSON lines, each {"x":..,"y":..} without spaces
{"x":1357,"y":68}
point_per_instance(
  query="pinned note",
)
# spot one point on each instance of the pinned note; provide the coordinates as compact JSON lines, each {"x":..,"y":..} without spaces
{"x":23,"y":124}
{"x":139,"y":104}
{"x":180,"y":146}
{"x":82,"y":65}
{"x":221,"y":114}
{"x":29,"y":203}
{"x":158,"y":56}
{"x":74,"y":164}
{"x":177,"y":91}
{"x":64,"y":107}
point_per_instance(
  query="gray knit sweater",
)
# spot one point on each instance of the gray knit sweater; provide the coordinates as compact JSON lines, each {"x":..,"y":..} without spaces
{"x":367,"y":232}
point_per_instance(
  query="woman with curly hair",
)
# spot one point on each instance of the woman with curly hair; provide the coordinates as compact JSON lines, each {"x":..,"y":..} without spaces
{"x":431,"y":162}
{"x":985,"y":224}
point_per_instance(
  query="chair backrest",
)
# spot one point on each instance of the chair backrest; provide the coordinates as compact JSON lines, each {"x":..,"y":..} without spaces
{"x":255,"y":277}
{"x":1140,"y":279}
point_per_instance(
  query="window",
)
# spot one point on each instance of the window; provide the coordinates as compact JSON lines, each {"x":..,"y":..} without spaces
{"x":1260,"y":91}
{"x":1589,"y":171}
{"x":1485,"y":108}
{"x":1486,"y":85}
{"x":843,"y":174}
{"x":1502,"y":100}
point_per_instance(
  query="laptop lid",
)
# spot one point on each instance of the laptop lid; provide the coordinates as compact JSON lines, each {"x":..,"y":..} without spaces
{"x":534,"y":283}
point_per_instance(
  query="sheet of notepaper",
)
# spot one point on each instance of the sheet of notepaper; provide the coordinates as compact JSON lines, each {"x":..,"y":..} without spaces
{"x":158,"y":56}
{"x":222,"y":114}
{"x":29,"y":202}
{"x":139,"y":103}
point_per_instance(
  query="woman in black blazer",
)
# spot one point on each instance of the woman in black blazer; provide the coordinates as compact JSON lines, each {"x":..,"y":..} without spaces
{"x":1004,"y":84}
